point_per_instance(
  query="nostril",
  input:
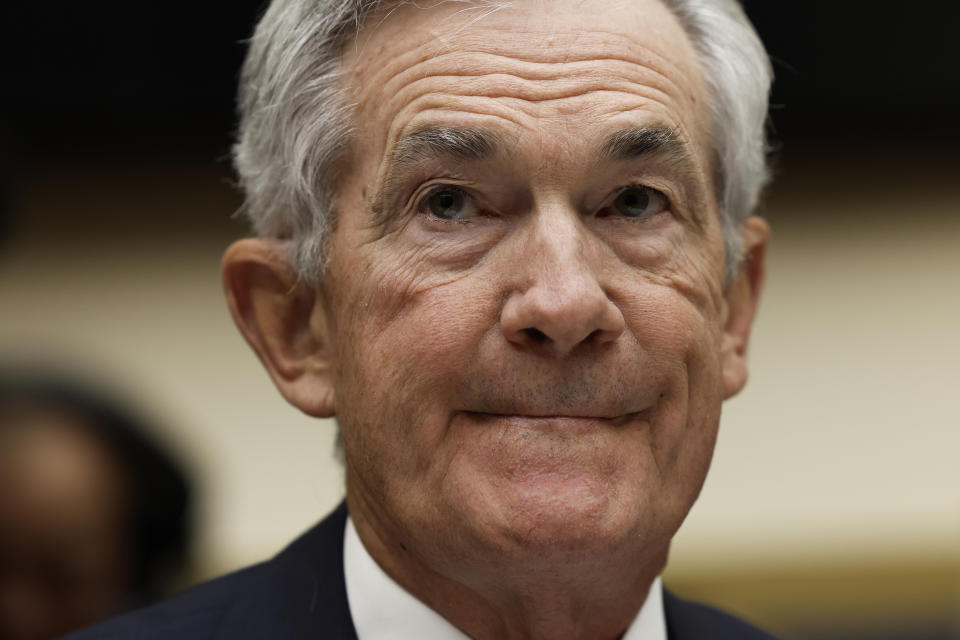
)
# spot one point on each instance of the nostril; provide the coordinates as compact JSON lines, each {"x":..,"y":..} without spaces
{"x":535,"y":334}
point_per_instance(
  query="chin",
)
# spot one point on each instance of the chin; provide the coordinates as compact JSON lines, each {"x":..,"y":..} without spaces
{"x":556,"y":513}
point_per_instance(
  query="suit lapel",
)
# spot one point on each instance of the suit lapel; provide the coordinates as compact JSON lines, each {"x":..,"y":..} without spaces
{"x":682,"y":618}
{"x":693,"y":621}
{"x":301,"y":594}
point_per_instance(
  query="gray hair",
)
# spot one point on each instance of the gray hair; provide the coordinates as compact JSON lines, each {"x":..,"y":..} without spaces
{"x":295,"y":119}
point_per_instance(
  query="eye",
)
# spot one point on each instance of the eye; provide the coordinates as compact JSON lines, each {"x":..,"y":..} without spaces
{"x":448,"y":203}
{"x":639,"y":202}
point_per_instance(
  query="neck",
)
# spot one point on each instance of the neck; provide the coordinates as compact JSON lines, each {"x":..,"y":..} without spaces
{"x":563,"y":595}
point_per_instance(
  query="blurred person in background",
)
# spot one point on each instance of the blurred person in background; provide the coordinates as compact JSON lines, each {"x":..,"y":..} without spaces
{"x":94,"y":515}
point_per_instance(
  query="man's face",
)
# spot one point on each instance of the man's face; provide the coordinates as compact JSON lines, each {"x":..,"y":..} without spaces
{"x":525,"y":295}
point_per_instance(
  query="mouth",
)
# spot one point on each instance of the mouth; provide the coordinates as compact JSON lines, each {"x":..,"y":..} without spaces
{"x":545,"y":422}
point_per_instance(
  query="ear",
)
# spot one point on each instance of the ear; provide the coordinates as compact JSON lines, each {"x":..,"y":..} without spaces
{"x":283,"y":320}
{"x":742,"y":296}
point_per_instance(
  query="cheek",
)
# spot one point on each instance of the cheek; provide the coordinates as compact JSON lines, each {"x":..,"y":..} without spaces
{"x":410,"y":337}
{"x":681,"y":337}
{"x":422,"y":329}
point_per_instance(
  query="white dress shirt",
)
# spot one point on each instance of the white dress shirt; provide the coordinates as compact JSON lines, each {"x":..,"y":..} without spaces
{"x":383,"y":610}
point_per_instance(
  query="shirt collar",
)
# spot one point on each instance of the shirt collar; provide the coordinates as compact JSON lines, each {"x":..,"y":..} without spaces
{"x":383,"y":610}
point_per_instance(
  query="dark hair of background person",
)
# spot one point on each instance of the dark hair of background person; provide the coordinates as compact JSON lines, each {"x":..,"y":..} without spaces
{"x":155,"y":495}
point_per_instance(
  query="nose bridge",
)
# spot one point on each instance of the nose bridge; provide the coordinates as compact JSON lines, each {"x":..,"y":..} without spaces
{"x":559,"y":300}
{"x":562,"y":250}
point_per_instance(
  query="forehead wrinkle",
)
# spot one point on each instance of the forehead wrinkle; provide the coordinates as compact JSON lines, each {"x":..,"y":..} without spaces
{"x":545,"y":46}
{"x":424,"y":100}
{"x":505,"y":96}
{"x":502,"y":76}
{"x":420,"y":75}
{"x":541,"y":49}
{"x":475,"y":61}
{"x":667,"y":71}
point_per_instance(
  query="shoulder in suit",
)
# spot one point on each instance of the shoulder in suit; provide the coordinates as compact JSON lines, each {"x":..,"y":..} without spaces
{"x":298,"y":594}
{"x":301,"y":594}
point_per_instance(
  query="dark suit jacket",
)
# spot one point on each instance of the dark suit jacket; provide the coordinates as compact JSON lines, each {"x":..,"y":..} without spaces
{"x":300,"y":594}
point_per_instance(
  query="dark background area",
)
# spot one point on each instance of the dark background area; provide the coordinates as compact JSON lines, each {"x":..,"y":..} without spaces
{"x":112,"y":73}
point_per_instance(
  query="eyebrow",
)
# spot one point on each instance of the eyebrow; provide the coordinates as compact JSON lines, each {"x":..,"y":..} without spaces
{"x":429,"y":144}
{"x":453,"y":142}
{"x":642,"y":142}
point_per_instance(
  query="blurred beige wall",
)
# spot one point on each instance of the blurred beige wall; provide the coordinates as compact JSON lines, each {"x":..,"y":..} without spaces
{"x":844,"y":446}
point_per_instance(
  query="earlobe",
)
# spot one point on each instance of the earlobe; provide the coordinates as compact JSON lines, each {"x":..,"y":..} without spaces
{"x":742,"y":296}
{"x":282,"y":320}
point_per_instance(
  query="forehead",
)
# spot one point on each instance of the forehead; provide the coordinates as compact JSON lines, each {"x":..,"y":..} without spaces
{"x":528,"y":67}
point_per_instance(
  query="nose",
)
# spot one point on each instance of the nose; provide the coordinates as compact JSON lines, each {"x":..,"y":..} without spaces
{"x":558,"y":301}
